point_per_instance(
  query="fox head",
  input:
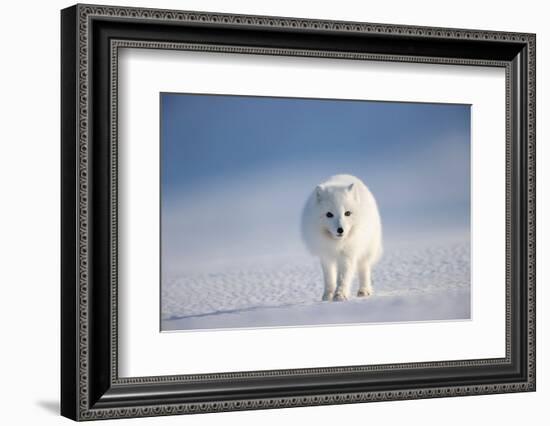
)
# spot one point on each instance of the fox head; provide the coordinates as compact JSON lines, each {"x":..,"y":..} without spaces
{"x":338,"y":208}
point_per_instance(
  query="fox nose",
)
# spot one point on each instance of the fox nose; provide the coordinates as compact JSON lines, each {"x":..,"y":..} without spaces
{"x":340,"y":230}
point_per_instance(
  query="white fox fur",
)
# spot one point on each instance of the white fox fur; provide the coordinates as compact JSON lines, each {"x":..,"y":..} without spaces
{"x":341,"y":225}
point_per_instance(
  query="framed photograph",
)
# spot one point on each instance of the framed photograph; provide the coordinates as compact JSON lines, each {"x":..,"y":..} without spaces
{"x":263,"y":212}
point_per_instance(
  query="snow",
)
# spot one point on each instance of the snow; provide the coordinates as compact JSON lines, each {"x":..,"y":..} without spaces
{"x":422,"y":279}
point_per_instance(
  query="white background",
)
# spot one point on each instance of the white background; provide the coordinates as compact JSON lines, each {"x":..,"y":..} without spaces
{"x":29,"y":229}
{"x":146,"y":352}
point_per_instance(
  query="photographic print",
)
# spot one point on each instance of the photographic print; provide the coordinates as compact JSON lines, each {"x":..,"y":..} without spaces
{"x":279,"y":211}
{"x":255,"y":183}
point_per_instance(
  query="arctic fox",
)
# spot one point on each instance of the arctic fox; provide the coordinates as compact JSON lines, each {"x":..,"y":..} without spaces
{"x":341,"y":225}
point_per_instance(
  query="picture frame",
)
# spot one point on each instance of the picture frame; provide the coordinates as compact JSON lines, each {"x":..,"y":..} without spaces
{"x":91,"y":37}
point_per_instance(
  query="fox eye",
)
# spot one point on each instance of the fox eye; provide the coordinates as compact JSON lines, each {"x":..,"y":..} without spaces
{"x":348,"y":213}
{"x":329,"y":214}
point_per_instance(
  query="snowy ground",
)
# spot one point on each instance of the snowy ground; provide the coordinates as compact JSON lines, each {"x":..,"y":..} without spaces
{"x":421,"y":282}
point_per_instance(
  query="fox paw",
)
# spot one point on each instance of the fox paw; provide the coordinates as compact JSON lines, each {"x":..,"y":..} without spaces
{"x":364,"y":293}
{"x":340,"y":297}
{"x":328,"y":296}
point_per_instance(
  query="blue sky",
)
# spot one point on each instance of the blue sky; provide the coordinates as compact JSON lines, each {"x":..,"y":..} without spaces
{"x":243,"y":165}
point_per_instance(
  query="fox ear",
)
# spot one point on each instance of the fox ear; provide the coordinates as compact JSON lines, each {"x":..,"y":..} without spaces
{"x":319,"y":192}
{"x":351,"y":190}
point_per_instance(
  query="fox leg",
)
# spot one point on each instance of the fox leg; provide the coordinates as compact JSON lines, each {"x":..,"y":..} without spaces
{"x":329,"y":274}
{"x":345,"y":273}
{"x":365,"y":280}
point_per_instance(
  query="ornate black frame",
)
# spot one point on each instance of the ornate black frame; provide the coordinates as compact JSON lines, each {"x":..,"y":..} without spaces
{"x":91,"y":37}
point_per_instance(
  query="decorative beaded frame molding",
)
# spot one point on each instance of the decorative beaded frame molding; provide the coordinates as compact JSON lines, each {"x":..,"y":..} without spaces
{"x":84,"y":408}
